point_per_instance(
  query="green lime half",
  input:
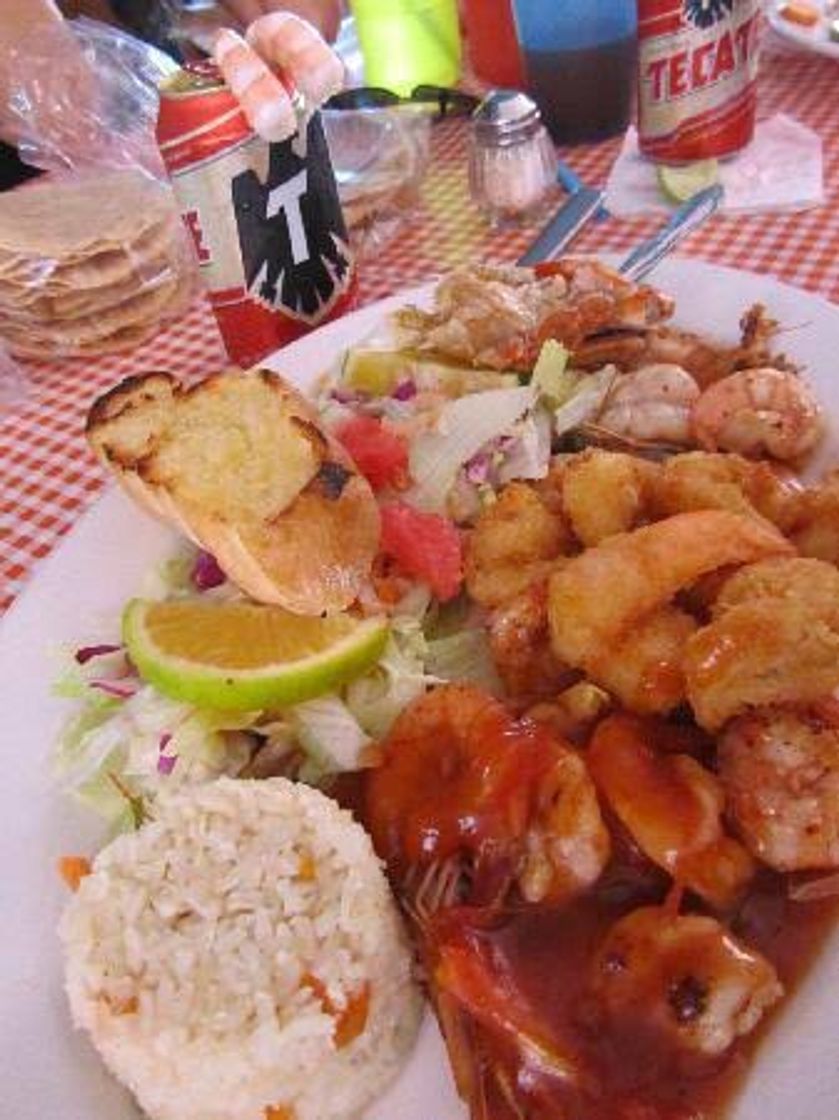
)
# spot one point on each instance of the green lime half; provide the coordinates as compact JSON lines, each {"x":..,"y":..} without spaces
{"x":681,"y":183}
{"x":243,"y":656}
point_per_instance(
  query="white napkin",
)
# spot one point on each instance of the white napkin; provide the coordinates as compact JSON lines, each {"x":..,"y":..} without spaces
{"x":780,"y":170}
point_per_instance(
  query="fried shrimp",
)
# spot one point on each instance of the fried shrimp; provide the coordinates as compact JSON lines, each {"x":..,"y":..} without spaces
{"x":759,"y":412}
{"x":815,"y":520}
{"x":759,"y":652}
{"x":653,"y":404}
{"x":794,"y":579}
{"x":604,"y":493}
{"x":671,"y":806}
{"x":681,"y":984}
{"x":461,"y":778}
{"x":596,"y":598}
{"x":780,"y":770}
{"x":704,"y":480}
{"x":644,"y":671}
{"x":515,"y":542}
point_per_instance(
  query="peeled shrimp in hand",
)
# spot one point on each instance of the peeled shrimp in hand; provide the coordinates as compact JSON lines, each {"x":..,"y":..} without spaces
{"x":780,"y":771}
{"x":284,"y":43}
{"x":671,"y":806}
{"x":759,"y":412}
{"x":462,"y":779}
{"x":680,"y":984}
{"x":652,"y":404}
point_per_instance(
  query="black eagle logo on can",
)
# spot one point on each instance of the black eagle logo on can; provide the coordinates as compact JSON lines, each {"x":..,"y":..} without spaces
{"x":705,"y":13}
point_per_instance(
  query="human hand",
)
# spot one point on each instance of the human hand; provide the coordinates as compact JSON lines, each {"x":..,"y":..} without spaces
{"x":277,"y":42}
{"x":325,"y":15}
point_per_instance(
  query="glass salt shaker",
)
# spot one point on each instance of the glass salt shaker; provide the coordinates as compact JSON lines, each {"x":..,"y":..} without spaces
{"x":512,"y":161}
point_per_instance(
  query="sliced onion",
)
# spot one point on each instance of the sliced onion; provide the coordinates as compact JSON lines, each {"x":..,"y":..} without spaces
{"x":87,"y":653}
{"x":405,"y":390}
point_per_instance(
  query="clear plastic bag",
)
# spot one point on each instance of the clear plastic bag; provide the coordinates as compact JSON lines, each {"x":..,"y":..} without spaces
{"x":380,"y":157}
{"x":93,"y":256}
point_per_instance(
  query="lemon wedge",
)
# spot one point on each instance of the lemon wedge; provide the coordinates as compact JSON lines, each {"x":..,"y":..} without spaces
{"x":681,"y":183}
{"x":244,"y":656}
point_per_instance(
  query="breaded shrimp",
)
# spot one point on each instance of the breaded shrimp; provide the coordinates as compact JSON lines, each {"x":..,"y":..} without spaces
{"x":604,"y":493}
{"x":796,"y":579}
{"x":596,"y":598}
{"x":520,"y":644}
{"x":759,"y":652}
{"x":515,"y":542}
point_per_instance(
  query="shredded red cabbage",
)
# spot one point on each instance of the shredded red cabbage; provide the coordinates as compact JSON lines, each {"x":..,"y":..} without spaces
{"x":87,"y":653}
{"x":206,"y":573}
{"x":405,"y":390}
{"x":165,"y":762}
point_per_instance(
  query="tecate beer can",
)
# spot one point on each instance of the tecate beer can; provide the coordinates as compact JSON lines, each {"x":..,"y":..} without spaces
{"x":265,"y":218}
{"x":698,"y":77}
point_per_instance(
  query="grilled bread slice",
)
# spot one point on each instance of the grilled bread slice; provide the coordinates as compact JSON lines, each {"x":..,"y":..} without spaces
{"x":241,"y":465}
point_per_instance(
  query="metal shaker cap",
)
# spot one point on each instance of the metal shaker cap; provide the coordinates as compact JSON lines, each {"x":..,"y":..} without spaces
{"x":505,"y":117}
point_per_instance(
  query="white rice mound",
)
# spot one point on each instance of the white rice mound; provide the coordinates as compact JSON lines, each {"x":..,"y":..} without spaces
{"x":191,"y":947}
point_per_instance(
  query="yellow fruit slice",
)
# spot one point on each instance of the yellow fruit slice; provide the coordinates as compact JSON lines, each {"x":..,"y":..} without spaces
{"x":681,"y":183}
{"x":243,"y":656}
{"x":379,"y":372}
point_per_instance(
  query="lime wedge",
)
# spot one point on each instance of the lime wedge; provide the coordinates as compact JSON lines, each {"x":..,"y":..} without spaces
{"x":681,"y":183}
{"x":376,"y":371}
{"x":242,"y":656}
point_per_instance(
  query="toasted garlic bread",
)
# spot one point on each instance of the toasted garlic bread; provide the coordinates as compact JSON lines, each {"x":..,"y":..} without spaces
{"x":241,"y":465}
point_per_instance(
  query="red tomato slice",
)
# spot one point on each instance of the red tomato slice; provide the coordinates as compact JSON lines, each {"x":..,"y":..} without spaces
{"x":379,"y":453}
{"x":425,"y":546}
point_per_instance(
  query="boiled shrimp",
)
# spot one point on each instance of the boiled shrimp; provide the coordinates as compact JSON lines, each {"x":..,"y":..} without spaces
{"x":780,"y":771}
{"x":680,"y":983}
{"x":758,"y":412}
{"x":461,"y":778}
{"x":276,"y":42}
{"x":515,"y":542}
{"x":671,"y":806}
{"x":652,"y":404}
{"x":595,"y":599}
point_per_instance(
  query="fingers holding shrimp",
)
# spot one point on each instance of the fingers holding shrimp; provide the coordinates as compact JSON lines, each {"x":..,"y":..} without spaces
{"x":264,"y":99}
{"x":300,"y":52}
{"x":279,"y":43}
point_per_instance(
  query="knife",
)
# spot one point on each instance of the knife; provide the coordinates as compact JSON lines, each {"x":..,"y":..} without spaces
{"x":685,"y":220}
{"x":563,"y":226}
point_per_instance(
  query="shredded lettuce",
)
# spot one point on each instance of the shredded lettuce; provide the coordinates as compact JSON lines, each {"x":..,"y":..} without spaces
{"x":377,"y":698}
{"x":329,"y":733}
{"x":464,"y":656}
{"x":586,"y":400}
{"x":462,"y":429}
{"x":551,"y":378}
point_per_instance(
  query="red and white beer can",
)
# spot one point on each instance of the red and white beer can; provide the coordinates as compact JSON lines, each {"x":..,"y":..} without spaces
{"x":697,"y":86}
{"x":265,"y":219}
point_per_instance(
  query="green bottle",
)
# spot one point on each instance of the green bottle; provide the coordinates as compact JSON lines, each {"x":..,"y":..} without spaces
{"x":407,"y":43}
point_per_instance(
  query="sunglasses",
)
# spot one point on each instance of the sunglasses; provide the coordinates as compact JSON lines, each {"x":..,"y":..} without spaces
{"x":449,"y":102}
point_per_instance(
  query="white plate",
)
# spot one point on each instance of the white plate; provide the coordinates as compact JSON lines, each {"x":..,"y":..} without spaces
{"x":809,"y":38}
{"x":48,"y":1072}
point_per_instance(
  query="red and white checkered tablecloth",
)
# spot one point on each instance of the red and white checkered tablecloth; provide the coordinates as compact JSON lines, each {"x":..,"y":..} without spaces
{"x":48,"y":476}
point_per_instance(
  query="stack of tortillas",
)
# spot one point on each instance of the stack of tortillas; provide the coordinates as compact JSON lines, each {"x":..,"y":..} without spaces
{"x":90,"y":264}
